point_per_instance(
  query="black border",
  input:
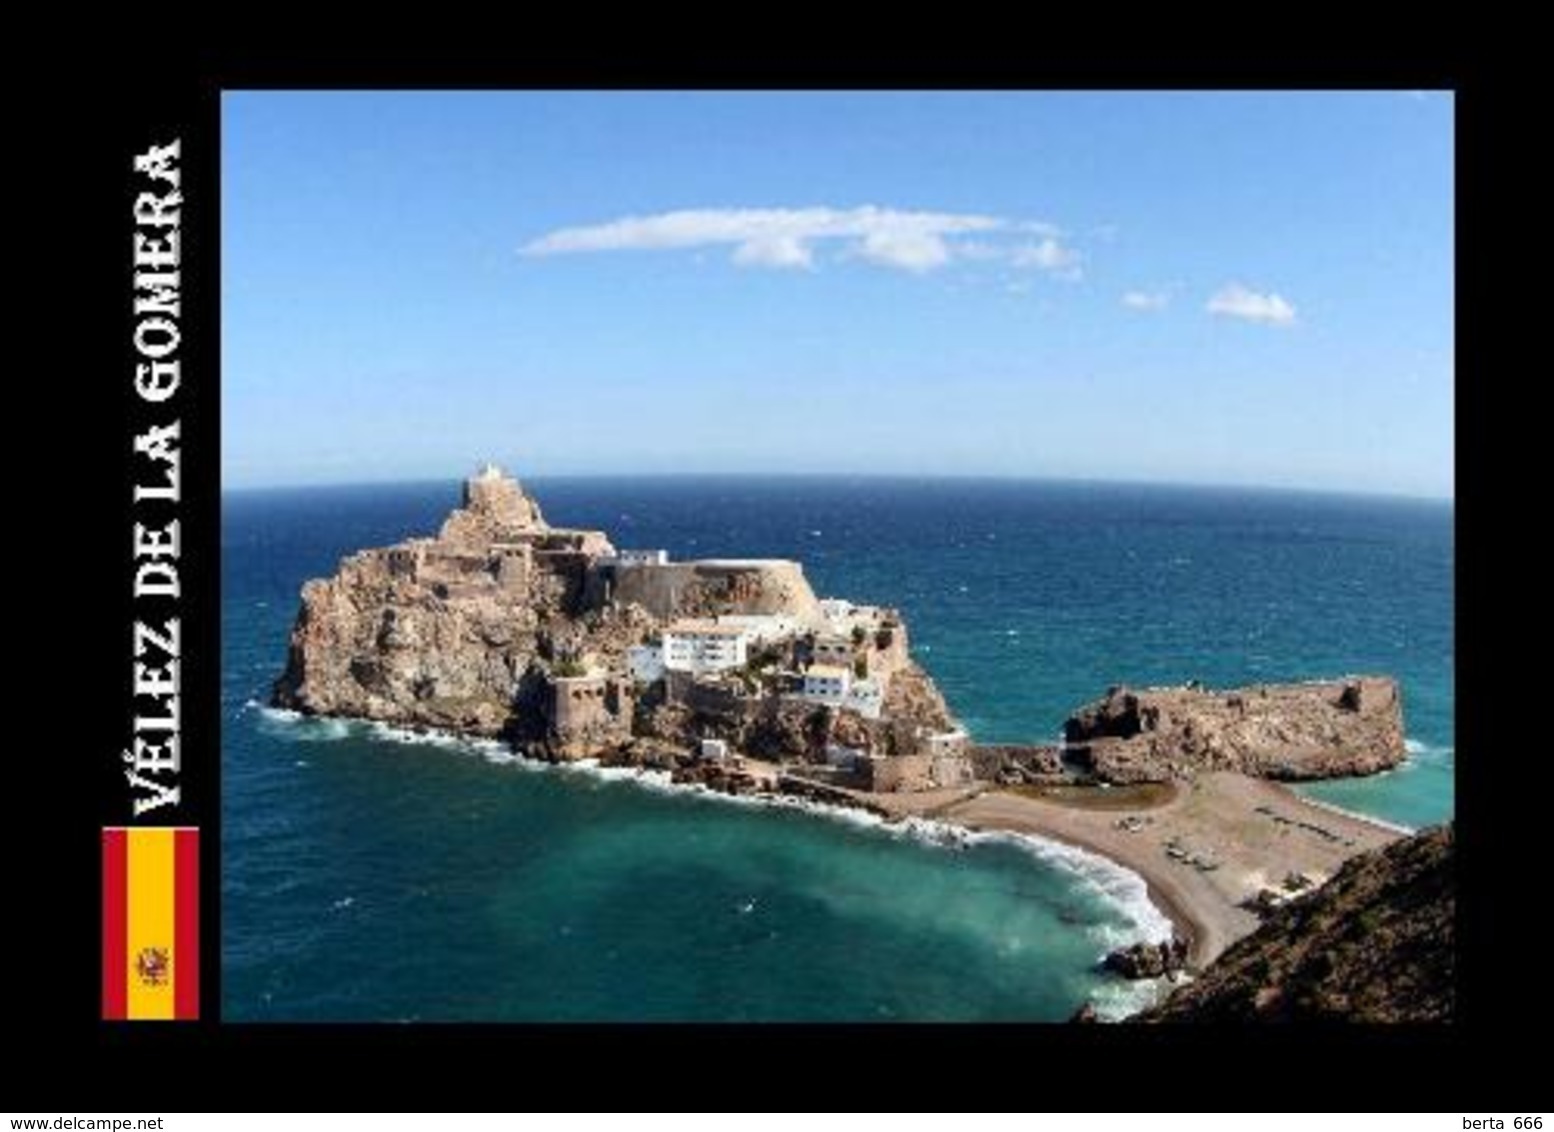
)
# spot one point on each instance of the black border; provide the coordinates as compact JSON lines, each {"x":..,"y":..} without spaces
{"x":1046,"y":1065}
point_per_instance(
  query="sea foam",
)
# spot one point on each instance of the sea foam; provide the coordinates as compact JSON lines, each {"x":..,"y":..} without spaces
{"x":1118,"y":887}
{"x":1428,"y":752}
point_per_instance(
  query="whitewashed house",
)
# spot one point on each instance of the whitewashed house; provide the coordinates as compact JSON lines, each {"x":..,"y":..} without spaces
{"x":704,"y":646}
{"x":865,"y":697}
{"x":762,"y":628}
{"x":828,"y":683}
{"x":640,"y":558}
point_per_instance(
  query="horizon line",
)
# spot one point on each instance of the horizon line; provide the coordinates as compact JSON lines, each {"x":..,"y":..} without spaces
{"x":1005,"y":477}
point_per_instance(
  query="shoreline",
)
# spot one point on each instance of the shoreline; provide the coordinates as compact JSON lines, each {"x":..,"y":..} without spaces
{"x":1186,"y":919}
{"x":1187,"y":922}
{"x":1343,"y":811}
{"x":1207,"y":914}
{"x":1203,"y":855}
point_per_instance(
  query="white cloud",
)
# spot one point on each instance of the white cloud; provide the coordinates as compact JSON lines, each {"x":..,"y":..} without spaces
{"x":1237,"y":301}
{"x":1146,"y":300}
{"x":774,"y":251}
{"x":790,"y":237}
{"x":907,"y":248}
{"x":1048,"y":255}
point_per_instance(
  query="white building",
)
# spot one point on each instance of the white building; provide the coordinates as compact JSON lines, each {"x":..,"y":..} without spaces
{"x":947,"y":742}
{"x":641,"y":558}
{"x":703,"y":646}
{"x":836,"y":609}
{"x":844,"y":616}
{"x":865,"y":697}
{"x":762,"y":628}
{"x":828,"y":682}
{"x":645,"y":662}
{"x":714,"y":749}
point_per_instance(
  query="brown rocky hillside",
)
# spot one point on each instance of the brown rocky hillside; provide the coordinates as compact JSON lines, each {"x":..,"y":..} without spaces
{"x":1374,"y":944}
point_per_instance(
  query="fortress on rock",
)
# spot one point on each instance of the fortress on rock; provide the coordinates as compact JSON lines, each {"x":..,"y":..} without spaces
{"x":732,"y":671}
{"x":551,"y":637}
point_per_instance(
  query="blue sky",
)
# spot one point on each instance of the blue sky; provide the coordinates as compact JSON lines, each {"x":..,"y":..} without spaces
{"x":1212,"y":288}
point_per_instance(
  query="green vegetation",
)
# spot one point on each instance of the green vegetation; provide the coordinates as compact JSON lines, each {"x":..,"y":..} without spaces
{"x":764,"y":656}
{"x":860,"y":634}
{"x":885,"y":637}
{"x":567,"y":668}
{"x":861,"y":668}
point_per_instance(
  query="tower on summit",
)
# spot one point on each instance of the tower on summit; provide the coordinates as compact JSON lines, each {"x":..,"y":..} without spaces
{"x":500,"y":499}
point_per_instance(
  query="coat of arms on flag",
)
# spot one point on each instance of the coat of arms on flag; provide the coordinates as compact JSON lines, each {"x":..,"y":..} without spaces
{"x":151,"y":923}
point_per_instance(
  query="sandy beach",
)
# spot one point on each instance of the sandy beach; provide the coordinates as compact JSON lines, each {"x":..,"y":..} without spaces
{"x":1218,"y":841}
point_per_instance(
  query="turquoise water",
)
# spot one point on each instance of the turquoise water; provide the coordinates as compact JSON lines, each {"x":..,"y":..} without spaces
{"x":368,"y":877}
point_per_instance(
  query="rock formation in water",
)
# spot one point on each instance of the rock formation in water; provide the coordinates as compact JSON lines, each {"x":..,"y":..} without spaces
{"x":504,"y":625}
{"x":1373,"y":944}
{"x":1326,"y":729}
{"x":1146,"y":960}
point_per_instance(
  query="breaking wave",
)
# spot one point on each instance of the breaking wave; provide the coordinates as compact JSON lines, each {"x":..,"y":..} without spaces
{"x":1419,"y":749}
{"x":1119,"y":888}
{"x":295,"y":727}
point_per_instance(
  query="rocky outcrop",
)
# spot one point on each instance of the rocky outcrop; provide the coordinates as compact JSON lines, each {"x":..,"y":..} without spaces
{"x":504,"y":625}
{"x":1374,"y":944}
{"x":912,"y":695}
{"x":1147,"y":960}
{"x":455,"y":632}
{"x":1285,"y":731}
{"x":1013,"y":764}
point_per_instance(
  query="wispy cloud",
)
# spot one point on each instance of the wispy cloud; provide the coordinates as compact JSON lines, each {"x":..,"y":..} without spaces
{"x":1048,"y":255}
{"x":774,"y":251}
{"x":1237,"y":301}
{"x":905,"y":240}
{"x":1146,"y":300}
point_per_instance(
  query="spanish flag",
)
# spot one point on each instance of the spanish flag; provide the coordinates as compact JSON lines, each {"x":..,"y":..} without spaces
{"x":151,"y":922}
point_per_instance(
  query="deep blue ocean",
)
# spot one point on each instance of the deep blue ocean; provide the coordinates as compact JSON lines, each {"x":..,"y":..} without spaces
{"x":369,"y":876}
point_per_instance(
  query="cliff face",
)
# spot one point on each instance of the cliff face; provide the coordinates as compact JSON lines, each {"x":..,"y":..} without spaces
{"x":506,"y":625}
{"x":1374,"y":944}
{"x":447,"y":632}
{"x":1284,"y":731}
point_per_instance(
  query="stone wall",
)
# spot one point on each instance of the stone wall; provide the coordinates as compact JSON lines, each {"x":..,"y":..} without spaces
{"x":902,"y":774}
{"x":707,"y":589}
{"x":586,"y":715}
{"x":1004,"y":762}
{"x":713,"y":699}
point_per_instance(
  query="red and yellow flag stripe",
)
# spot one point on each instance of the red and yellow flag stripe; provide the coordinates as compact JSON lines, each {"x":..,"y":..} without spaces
{"x":151,"y":922}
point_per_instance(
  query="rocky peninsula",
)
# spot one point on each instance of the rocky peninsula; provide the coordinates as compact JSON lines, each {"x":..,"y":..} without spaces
{"x":733,"y":673}
{"x":551,"y":638}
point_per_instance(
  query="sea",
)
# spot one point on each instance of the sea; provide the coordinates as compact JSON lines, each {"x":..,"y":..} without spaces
{"x":375,"y":875}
